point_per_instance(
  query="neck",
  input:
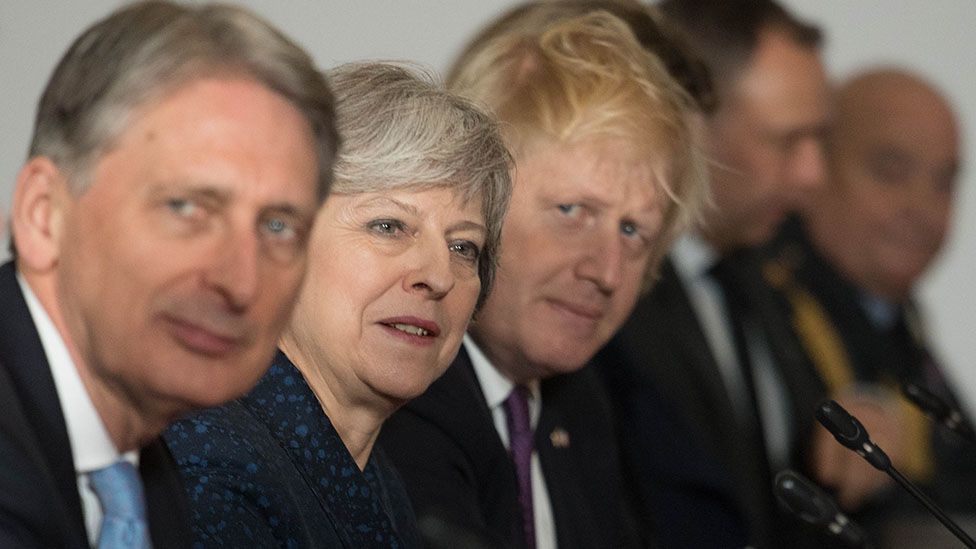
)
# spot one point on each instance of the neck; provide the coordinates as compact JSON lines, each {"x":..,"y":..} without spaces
{"x":357,"y":421}
{"x":129,"y":421}
{"x":513,"y":366}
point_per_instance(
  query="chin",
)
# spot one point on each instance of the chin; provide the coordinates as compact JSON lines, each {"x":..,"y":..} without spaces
{"x":401,"y":390}
{"x":557,"y":363}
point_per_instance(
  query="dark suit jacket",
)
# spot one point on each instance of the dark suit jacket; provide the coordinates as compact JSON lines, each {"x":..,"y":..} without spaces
{"x":269,"y":470}
{"x":39,"y":501}
{"x":460,"y":477}
{"x":661,"y":352}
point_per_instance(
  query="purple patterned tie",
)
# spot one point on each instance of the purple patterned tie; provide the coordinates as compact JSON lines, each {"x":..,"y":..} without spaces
{"x":520,"y":448}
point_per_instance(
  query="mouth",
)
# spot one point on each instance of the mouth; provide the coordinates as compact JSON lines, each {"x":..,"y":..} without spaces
{"x":211,"y":342}
{"x":412,"y":329}
{"x":584,"y":311}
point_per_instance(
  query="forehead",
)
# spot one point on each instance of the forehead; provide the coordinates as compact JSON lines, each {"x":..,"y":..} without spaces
{"x":605,"y":170}
{"x":916,"y":123}
{"x":784,"y":84}
{"x":231,"y":132}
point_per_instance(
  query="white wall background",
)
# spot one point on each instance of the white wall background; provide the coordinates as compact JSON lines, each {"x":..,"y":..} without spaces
{"x":935,"y":38}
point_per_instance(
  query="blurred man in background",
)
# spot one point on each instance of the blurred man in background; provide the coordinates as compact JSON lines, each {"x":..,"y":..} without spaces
{"x":700,"y":338}
{"x":847,"y":268}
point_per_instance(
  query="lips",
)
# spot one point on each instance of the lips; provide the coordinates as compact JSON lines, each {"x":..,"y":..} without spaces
{"x":208,"y":340}
{"x":585,"y":311}
{"x":412,"y":328}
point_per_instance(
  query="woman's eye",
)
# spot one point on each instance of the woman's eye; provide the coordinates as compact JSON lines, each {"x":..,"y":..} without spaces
{"x":466,"y":249}
{"x":629,"y":229}
{"x":386,"y":226}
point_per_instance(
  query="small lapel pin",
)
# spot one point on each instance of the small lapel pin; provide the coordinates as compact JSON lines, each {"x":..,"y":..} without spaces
{"x":559,"y":438}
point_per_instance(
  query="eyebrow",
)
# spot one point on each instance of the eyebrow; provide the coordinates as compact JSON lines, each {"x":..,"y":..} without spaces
{"x":379,"y":200}
{"x":223,"y":196}
{"x":413,"y":210}
{"x":468,"y":226}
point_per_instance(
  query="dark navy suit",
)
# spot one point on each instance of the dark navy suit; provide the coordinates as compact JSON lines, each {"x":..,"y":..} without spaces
{"x":39,"y":501}
{"x":662,"y":352}
{"x":459,"y":473}
{"x":269,"y":470}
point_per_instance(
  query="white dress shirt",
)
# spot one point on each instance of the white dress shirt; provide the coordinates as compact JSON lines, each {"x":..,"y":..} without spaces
{"x":693,"y":258}
{"x":496,"y":389}
{"x":91,"y":446}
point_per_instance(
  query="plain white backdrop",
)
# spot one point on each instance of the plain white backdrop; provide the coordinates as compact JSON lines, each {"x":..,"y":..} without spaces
{"x":932,"y":38}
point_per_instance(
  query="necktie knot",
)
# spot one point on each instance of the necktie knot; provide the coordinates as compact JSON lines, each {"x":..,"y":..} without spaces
{"x":119,"y":490}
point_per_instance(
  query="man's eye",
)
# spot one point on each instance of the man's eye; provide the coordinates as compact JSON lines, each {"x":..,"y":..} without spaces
{"x":182,"y":207}
{"x":280,"y":228}
{"x":386,"y":226}
{"x":466,"y":249}
{"x":569,"y":209}
{"x":629,"y":229}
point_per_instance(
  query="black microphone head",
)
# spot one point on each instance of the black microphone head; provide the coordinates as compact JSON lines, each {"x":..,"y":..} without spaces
{"x":926,"y":401}
{"x":849,"y":432}
{"x":809,"y":503}
{"x":803,"y":498}
{"x":845,"y":427}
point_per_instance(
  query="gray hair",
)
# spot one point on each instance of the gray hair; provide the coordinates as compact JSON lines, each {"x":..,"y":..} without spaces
{"x":402,"y":131}
{"x":145,"y":50}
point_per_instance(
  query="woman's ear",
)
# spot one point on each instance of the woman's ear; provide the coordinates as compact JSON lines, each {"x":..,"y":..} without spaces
{"x":41,"y":198}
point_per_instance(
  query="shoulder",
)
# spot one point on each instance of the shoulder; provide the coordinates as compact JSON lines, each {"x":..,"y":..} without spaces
{"x":242,"y":486}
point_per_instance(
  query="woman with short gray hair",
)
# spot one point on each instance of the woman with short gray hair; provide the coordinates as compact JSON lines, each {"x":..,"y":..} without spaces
{"x":402,"y":253}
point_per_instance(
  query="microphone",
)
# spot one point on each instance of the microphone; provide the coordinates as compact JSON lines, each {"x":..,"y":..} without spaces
{"x":850,"y":433}
{"x":938,"y":410}
{"x":810,"y":504}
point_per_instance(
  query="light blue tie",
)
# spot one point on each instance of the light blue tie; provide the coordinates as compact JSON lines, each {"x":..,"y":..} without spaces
{"x":119,"y":490}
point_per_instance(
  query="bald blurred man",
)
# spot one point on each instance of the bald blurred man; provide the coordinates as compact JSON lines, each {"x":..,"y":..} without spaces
{"x":847,"y":268}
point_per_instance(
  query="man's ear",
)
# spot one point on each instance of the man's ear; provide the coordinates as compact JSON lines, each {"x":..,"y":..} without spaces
{"x":40,"y":203}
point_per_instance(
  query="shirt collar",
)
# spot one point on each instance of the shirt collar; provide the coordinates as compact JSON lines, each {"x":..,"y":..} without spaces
{"x":494,"y":385}
{"x":91,"y":446}
{"x":882,"y":313}
{"x":693,"y":256}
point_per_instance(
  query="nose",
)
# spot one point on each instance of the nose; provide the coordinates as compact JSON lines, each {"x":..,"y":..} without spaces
{"x":234,"y":270}
{"x":602,"y":260}
{"x":808,"y":164}
{"x":429,"y":271}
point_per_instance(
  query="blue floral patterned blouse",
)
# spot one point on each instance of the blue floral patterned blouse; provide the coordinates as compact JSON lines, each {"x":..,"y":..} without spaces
{"x":269,"y":470}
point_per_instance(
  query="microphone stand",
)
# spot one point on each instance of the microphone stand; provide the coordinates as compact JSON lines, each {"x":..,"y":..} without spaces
{"x":852,"y":434}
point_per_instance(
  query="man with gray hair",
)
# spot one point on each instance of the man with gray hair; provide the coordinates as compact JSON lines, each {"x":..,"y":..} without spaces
{"x":159,"y":234}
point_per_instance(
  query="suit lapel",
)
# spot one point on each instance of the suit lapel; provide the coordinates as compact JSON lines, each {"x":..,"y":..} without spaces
{"x":30,"y":376}
{"x":553,"y":442}
{"x":696,"y":366}
{"x":457,"y":401}
{"x":691,"y":358}
{"x":165,"y":497}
